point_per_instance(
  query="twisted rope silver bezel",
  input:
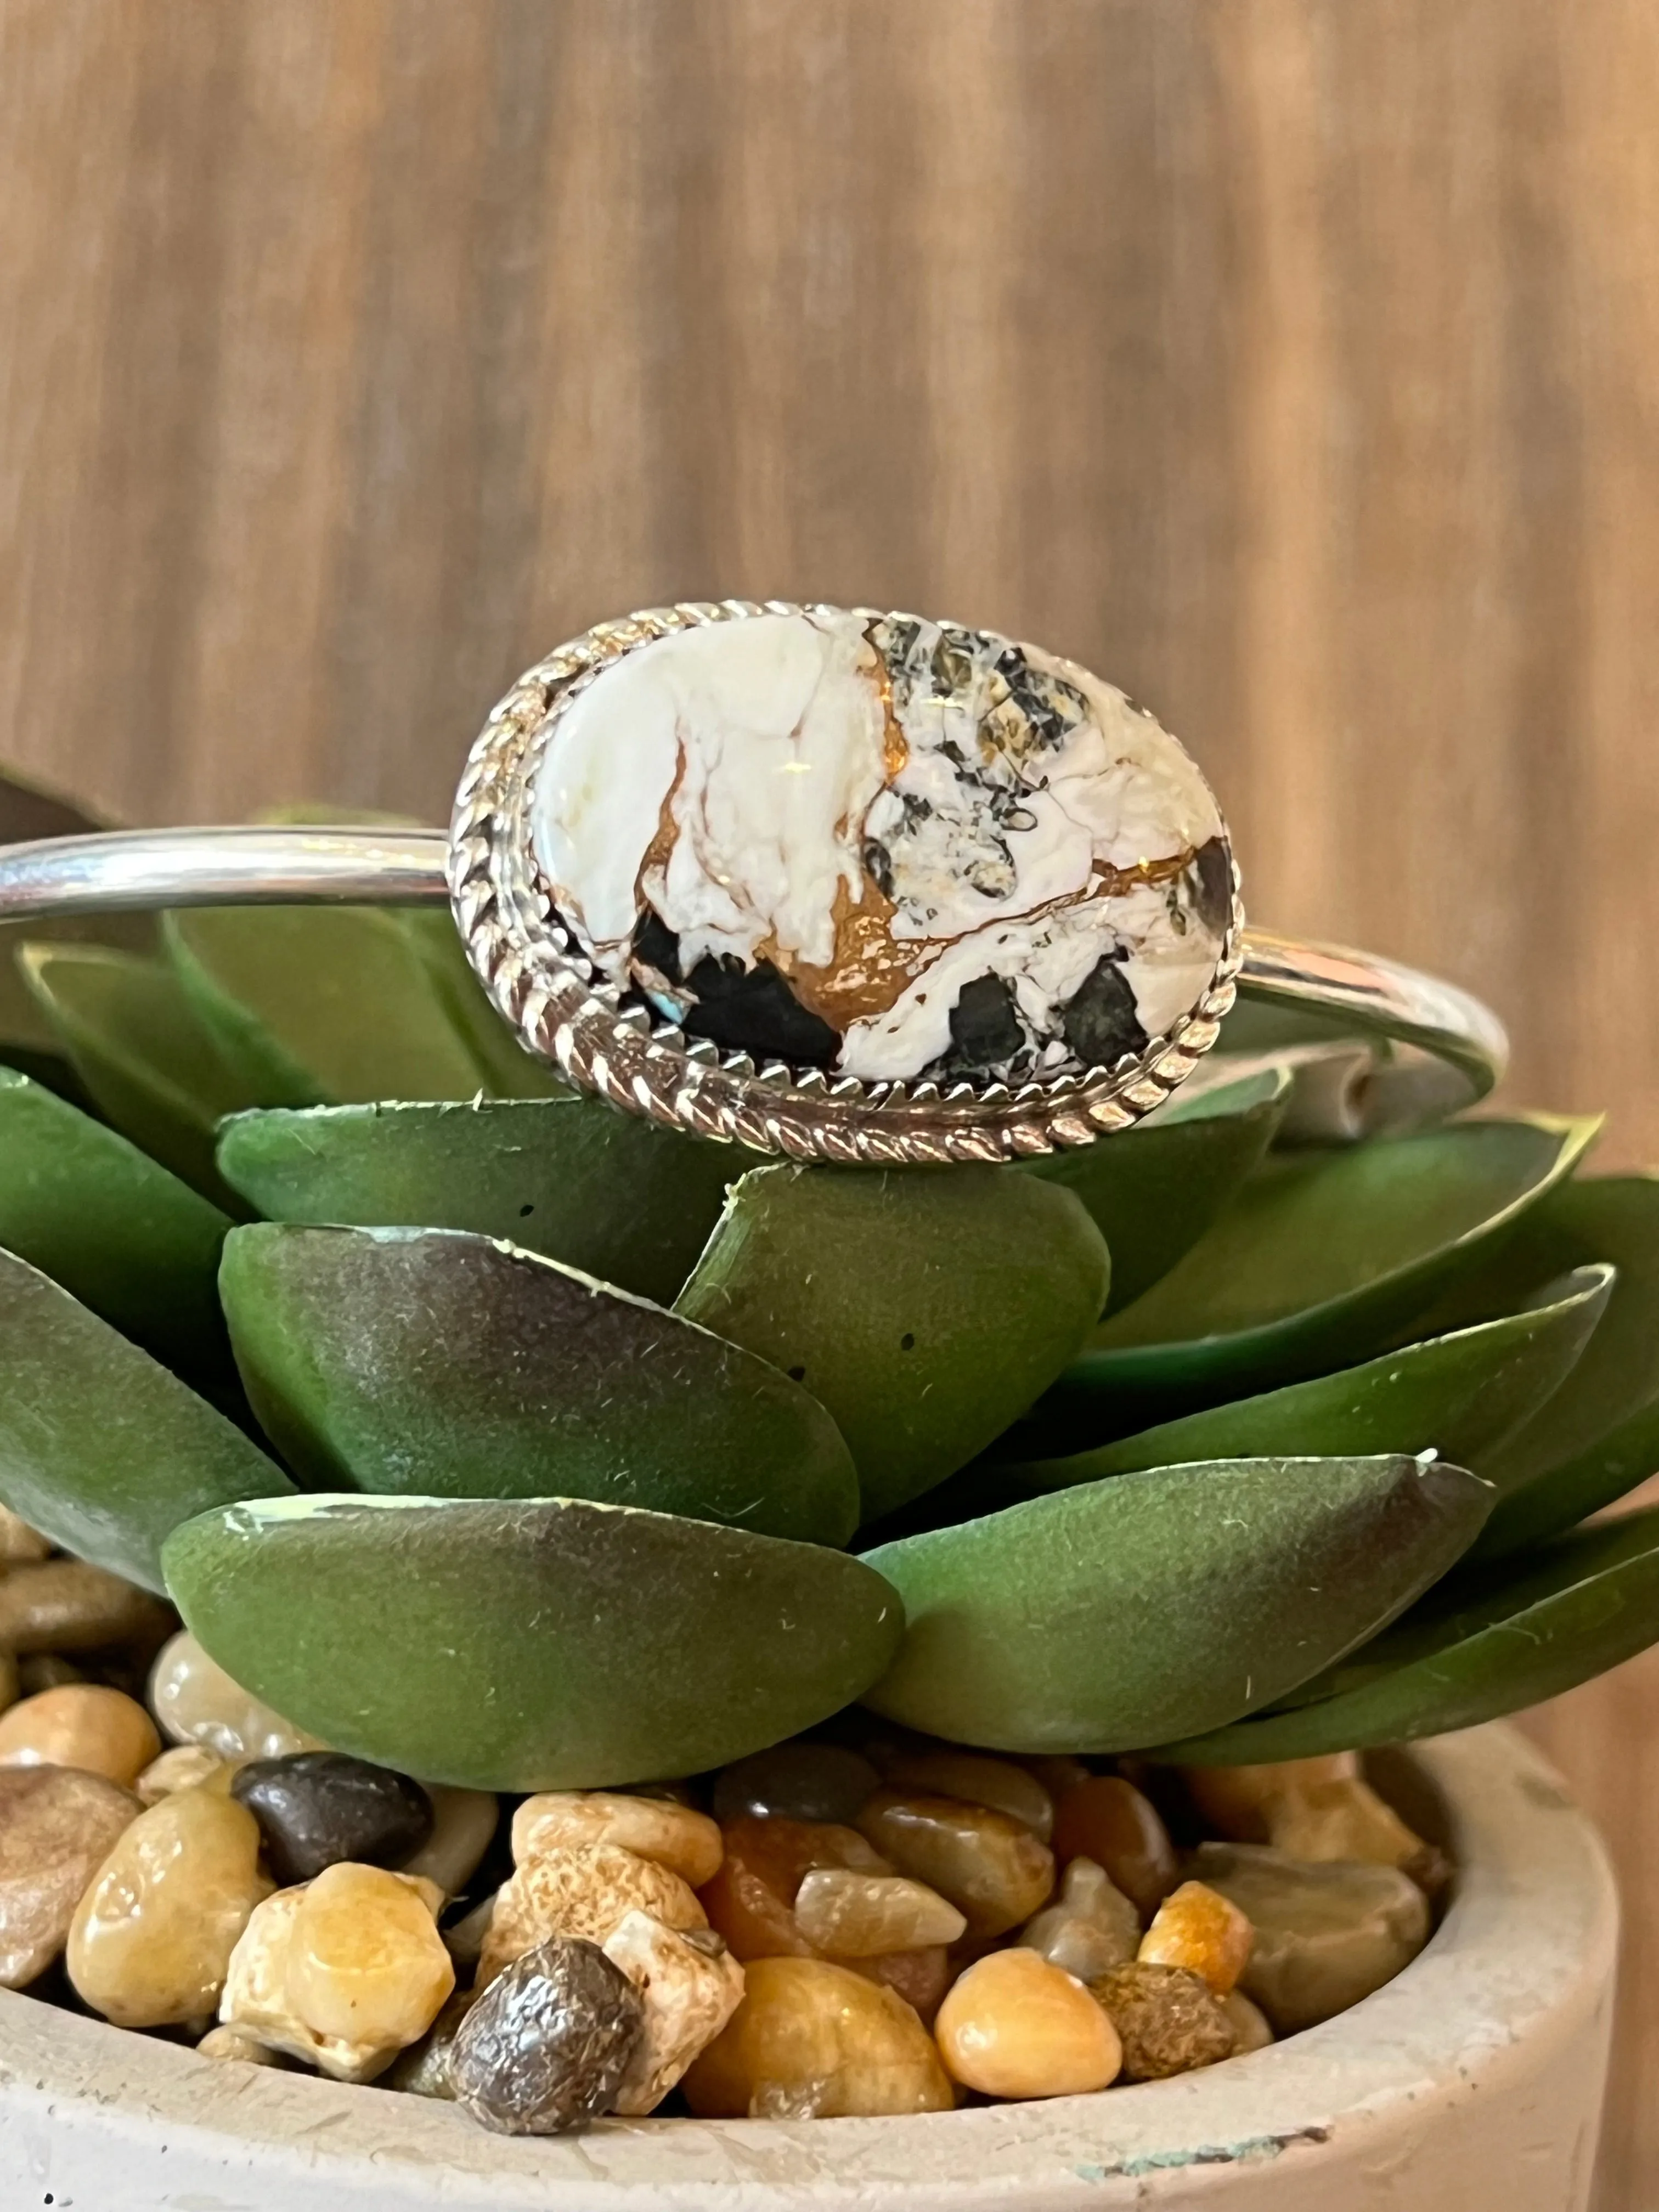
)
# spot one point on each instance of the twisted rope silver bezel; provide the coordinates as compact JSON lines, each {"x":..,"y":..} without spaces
{"x":565,"y":1013}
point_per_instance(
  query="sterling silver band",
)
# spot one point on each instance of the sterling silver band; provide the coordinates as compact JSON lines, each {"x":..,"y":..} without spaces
{"x":125,"y":870}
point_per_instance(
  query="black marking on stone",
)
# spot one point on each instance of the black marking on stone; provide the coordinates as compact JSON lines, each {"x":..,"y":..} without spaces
{"x":655,"y":945}
{"x":878,"y":866}
{"x":1212,"y":873}
{"x":1100,"y":1020}
{"x":753,"y":1010}
{"x":984,"y":1026}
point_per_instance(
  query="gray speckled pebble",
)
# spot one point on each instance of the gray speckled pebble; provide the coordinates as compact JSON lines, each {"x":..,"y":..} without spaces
{"x":547,"y":2044}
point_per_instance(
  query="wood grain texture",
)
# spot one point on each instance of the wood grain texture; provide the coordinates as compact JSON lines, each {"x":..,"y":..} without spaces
{"x":1290,"y":361}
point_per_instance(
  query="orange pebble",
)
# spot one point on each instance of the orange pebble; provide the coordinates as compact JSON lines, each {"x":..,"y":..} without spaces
{"x":751,"y":1899}
{"x":1109,"y":1820}
{"x":1197,"y":1928}
{"x":1015,"y":2027}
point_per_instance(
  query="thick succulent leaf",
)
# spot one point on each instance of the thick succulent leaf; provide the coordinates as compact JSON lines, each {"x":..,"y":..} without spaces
{"x":1491,"y":1641}
{"x":505,"y":1068}
{"x":319,"y":1006}
{"x":145,"y":1059}
{"x":570,"y":1177}
{"x":1598,"y":1435}
{"x":1321,"y":1261}
{"x":25,"y":813}
{"x":1460,"y":1395}
{"x":926,"y":1307}
{"x":100,"y":1447}
{"x":1123,"y":1613}
{"x":116,"y":1230}
{"x":432,"y":1362}
{"x":530,"y":1645}
{"x":1153,"y":1191}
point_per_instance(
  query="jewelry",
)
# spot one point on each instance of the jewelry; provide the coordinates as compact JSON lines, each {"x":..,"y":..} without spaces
{"x":838,"y":884}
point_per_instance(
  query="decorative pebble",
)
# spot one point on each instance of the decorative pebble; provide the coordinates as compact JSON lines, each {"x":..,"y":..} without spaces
{"x":690,"y":1985}
{"x":1200,"y":1930}
{"x":195,"y":1701}
{"x":344,"y":1972}
{"x":20,"y":1545}
{"x":463,"y":1825}
{"x":848,"y":1915}
{"x":185,"y":1766}
{"x":10,"y":1682}
{"x":57,"y":1825}
{"x":1109,"y":1820}
{"x":68,"y":1605}
{"x":548,"y":2044}
{"x":1326,"y":1936}
{"x":796,"y":1782}
{"x":1236,"y":1804}
{"x":920,"y":1978}
{"x":81,"y":1724}
{"x":812,"y":2040}
{"x":978,"y":1779}
{"x":1089,"y":1927}
{"x":1057,"y":1771}
{"x":1251,"y":2030}
{"x":1170,"y":2019}
{"x":580,"y":1893}
{"x":688,"y":1843}
{"x":1313,"y":1808}
{"x":316,"y":1808}
{"x":44,"y":1670}
{"x":751,"y":1900}
{"x":465,"y":1938}
{"x":423,"y":2071}
{"x":1014,"y":2026}
{"x":230,"y":2045}
{"x":152,"y":1937}
{"x":988,"y":1863}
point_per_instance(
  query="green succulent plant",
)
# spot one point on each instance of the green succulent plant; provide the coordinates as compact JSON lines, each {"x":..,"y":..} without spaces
{"x":492,"y":1435}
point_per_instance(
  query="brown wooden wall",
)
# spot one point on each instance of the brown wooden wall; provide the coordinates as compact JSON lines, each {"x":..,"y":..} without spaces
{"x":1294,"y":362}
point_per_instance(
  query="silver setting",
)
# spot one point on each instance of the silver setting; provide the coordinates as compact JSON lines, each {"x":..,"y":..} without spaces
{"x":563,"y":1011}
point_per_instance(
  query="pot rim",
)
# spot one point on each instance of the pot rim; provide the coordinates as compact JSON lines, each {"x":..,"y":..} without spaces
{"x":1527,"y":1947}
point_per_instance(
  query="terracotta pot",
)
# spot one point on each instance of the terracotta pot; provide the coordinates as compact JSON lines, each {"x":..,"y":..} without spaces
{"x":1473,"y":2083}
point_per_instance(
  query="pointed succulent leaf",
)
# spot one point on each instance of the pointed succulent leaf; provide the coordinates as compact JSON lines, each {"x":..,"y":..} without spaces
{"x":100,"y":1447}
{"x":116,"y":1230}
{"x":570,"y":1177}
{"x":1321,"y":1261}
{"x":143,"y":1058}
{"x":313,"y":1005}
{"x":1153,"y":1191}
{"x":546,"y":1644}
{"x":1492,"y":1640}
{"x":435,"y":1362}
{"x":505,"y":1068}
{"x":1461,"y":1394}
{"x":1598,"y":1435}
{"x":926,"y":1307}
{"x":1118,"y":1614}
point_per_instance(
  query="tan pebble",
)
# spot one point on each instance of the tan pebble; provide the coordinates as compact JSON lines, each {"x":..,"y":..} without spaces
{"x":1237,"y":1803}
{"x":582,"y":1893}
{"x":84,"y":1725}
{"x":20,"y":1545}
{"x":463,"y":1824}
{"x":689,"y":1994}
{"x":195,"y":1701}
{"x":989,"y":1864}
{"x":1199,"y":1929}
{"x":675,"y":1836}
{"x":1089,"y":1928}
{"x":978,"y":1779}
{"x":68,"y":1605}
{"x":1326,"y":1934}
{"x":46,"y":1670}
{"x":152,"y":1937}
{"x":344,"y":1971}
{"x":57,"y":1827}
{"x":1251,"y":2030}
{"x":1347,"y":1820}
{"x":185,"y":1766}
{"x":1169,"y":2019}
{"x":231,"y":2045}
{"x":423,"y":2071}
{"x":812,"y":2040}
{"x":1014,"y":2026}
{"x":850,"y":1915}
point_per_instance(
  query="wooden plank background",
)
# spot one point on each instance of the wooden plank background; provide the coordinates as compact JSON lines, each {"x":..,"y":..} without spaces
{"x":1290,"y":362}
